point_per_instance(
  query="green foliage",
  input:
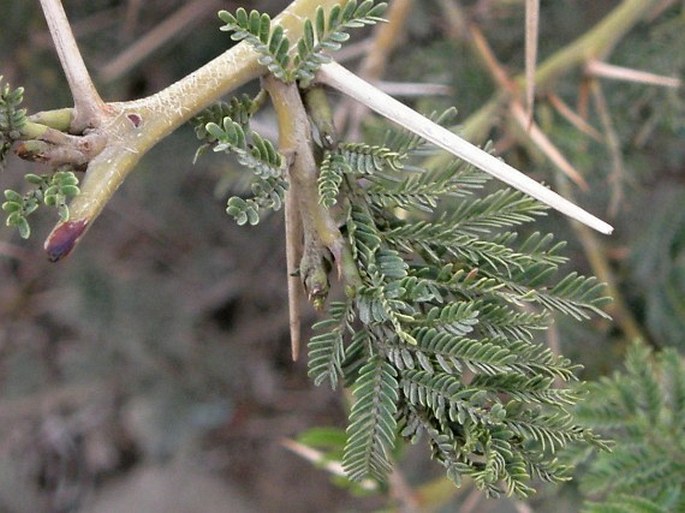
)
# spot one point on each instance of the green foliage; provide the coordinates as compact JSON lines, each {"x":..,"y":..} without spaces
{"x":437,"y":342}
{"x":325,"y":34}
{"x":52,"y":190}
{"x":256,"y":154}
{"x":353,"y":159}
{"x":643,"y":410}
{"x":255,"y":28}
{"x":239,"y":109}
{"x":12,"y":117}
{"x":333,"y":167}
{"x":371,"y":433}
{"x":326,"y":351}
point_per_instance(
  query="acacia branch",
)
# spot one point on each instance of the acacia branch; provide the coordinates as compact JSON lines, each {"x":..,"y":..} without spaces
{"x":320,"y":235}
{"x":134,"y":127}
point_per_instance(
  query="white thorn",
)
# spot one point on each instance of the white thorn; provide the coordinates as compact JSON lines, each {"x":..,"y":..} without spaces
{"x":336,"y":76}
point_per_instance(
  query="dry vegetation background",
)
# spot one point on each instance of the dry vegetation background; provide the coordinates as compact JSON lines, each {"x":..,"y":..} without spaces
{"x":150,"y":371}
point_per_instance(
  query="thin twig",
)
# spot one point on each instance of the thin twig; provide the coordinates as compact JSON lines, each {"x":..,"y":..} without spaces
{"x":88,"y":105}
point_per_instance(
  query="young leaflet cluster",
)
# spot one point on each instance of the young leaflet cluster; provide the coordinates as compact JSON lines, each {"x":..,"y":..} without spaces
{"x":52,"y":190}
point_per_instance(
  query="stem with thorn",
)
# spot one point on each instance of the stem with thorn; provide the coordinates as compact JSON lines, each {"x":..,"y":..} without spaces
{"x":320,"y":232}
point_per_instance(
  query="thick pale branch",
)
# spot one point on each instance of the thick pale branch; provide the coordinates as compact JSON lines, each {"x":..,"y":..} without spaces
{"x":134,"y":127}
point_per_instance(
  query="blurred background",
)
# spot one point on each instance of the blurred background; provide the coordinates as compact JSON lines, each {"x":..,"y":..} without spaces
{"x":151,"y":370}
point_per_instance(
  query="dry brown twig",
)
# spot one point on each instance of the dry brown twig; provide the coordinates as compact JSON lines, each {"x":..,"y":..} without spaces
{"x":572,"y":117}
{"x":517,"y":111}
